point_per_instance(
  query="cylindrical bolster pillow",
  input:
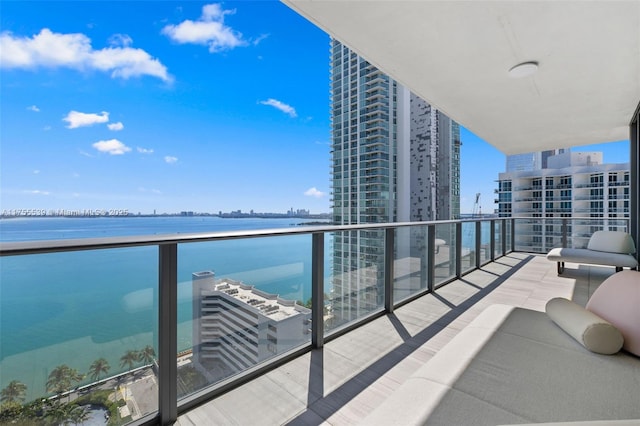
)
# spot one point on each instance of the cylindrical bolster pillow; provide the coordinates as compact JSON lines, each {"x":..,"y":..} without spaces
{"x":587,"y":328}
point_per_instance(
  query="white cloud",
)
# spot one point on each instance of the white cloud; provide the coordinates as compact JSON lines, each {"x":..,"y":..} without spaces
{"x":313,"y":192}
{"x":144,"y":150}
{"x":120,"y":40}
{"x":33,"y":108}
{"x":208,"y":30}
{"x":36,"y":172}
{"x":257,"y":40}
{"x":81,"y":119}
{"x":112,"y":147}
{"x":38,"y":192}
{"x":170,"y":160}
{"x":115,"y":126}
{"x":153,"y":191}
{"x":86,"y":154}
{"x":287,"y":109}
{"x":53,"y":50}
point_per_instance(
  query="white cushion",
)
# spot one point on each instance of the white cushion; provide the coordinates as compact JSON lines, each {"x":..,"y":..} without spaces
{"x":612,"y":242}
{"x":588,"y":329}
{"x":576,"y":255}
{"x":617,"y":300}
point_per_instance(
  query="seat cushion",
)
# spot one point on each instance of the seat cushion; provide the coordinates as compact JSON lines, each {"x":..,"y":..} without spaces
{"x":611,"y":242}
{"x":591,"y":256}
{"x":590,"y":330}
{"x":617,"y":300}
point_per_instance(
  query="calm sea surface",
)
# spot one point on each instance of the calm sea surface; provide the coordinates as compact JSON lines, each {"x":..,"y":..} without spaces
{"x":72,"y":308}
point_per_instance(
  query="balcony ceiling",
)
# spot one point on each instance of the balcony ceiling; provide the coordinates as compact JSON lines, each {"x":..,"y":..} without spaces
{"x":456,"y":55}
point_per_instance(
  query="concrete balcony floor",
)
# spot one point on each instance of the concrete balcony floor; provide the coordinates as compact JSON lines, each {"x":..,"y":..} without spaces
{"x":344,"y":381}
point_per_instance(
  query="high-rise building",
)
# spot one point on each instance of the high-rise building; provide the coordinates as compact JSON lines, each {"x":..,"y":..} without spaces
{"x":394,"y":158}
{"x":574,"y":184}
{"x":531,"y":160}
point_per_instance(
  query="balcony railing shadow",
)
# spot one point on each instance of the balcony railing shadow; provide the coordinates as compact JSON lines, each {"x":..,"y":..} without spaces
{"x":336,"y":399}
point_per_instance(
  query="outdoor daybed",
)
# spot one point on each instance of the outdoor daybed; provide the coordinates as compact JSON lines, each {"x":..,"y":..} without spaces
{"x":514,"y":366}
{"x":612,"y":248}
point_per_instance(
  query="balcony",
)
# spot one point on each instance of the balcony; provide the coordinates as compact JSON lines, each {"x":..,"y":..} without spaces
{"x":351,"y":375}
{"x":420,"y":284}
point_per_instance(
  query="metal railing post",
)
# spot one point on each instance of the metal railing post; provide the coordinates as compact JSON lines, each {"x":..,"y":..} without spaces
{"x":478,"y":243}
{"x":458,"y":249}
{"x":168,"y":333}
{"x":431,"y":249}
{"x":317,"y":293}
{"x":389,"y":244}
{"x":503,"y":228}
{"x":492,"y":243}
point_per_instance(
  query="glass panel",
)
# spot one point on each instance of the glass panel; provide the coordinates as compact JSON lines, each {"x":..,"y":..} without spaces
{"x":497,"y":238}
{"x":410,"y":266}
{"x":445,"y":252}
{"x":240,"y":303}
{"x":79,"y":328}
{"x":553,"y":231}
{"x":533,"y":235}
{"x":485,"y":238}
{"x":356,"y":284}
{"x":508,"y":231}
{"x":468,"y":252}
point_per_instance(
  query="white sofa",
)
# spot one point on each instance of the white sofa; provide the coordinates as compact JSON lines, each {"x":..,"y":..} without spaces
{"x":515,"y":366}
{"x":610,"y":248}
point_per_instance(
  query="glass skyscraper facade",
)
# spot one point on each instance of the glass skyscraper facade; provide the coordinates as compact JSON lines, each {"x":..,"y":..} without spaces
{"x":394,"y":159}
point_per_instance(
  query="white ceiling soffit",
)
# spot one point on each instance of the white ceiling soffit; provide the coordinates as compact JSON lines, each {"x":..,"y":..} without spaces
{"x":457,"y":54}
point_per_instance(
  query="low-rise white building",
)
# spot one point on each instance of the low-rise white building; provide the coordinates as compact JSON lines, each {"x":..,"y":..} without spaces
{"x":236,"y":326}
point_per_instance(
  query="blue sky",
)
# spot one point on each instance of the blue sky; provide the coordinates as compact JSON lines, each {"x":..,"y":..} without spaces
{"x":172,"y":106}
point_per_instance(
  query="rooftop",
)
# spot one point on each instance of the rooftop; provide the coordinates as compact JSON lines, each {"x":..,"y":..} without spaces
{"x":265,"y":303}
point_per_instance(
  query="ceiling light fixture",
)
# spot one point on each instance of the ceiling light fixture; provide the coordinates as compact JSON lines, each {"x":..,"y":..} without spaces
{"x":524,"y":69}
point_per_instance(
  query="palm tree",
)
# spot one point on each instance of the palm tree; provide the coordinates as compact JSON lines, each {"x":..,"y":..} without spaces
{"x":99,"y":367}
{"x":62,"y":378}
{"x":129,"y":359}
{"x":147,"y":355}
{"x":14,"y":392}
{"x":78,"y":414}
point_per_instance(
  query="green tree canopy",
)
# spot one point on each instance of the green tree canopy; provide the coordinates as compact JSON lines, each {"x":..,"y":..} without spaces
{"x":98,"y":367}
{"x":129,"y":359}
{"x":147,"y":355}
{"x":62,"y":378}
{"x":14,"y":392}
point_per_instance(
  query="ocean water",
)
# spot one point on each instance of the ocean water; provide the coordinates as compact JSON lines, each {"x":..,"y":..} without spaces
{"x":73,"y":308}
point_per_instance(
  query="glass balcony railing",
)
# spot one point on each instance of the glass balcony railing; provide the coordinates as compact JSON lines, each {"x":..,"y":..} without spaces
{"x":147,"y":327}
{"x":539,"y":235}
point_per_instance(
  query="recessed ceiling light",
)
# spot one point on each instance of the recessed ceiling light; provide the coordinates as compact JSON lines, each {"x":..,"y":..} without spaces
{"x":524,"y":69}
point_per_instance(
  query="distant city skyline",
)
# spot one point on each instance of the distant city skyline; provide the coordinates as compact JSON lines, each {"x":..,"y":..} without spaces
{"x":169,"y":106}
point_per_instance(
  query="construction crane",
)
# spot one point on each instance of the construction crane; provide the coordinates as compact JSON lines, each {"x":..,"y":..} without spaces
{"x":477,"y":208}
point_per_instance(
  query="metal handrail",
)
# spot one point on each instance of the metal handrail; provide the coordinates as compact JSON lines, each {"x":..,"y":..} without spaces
{"x":80,"y":244}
